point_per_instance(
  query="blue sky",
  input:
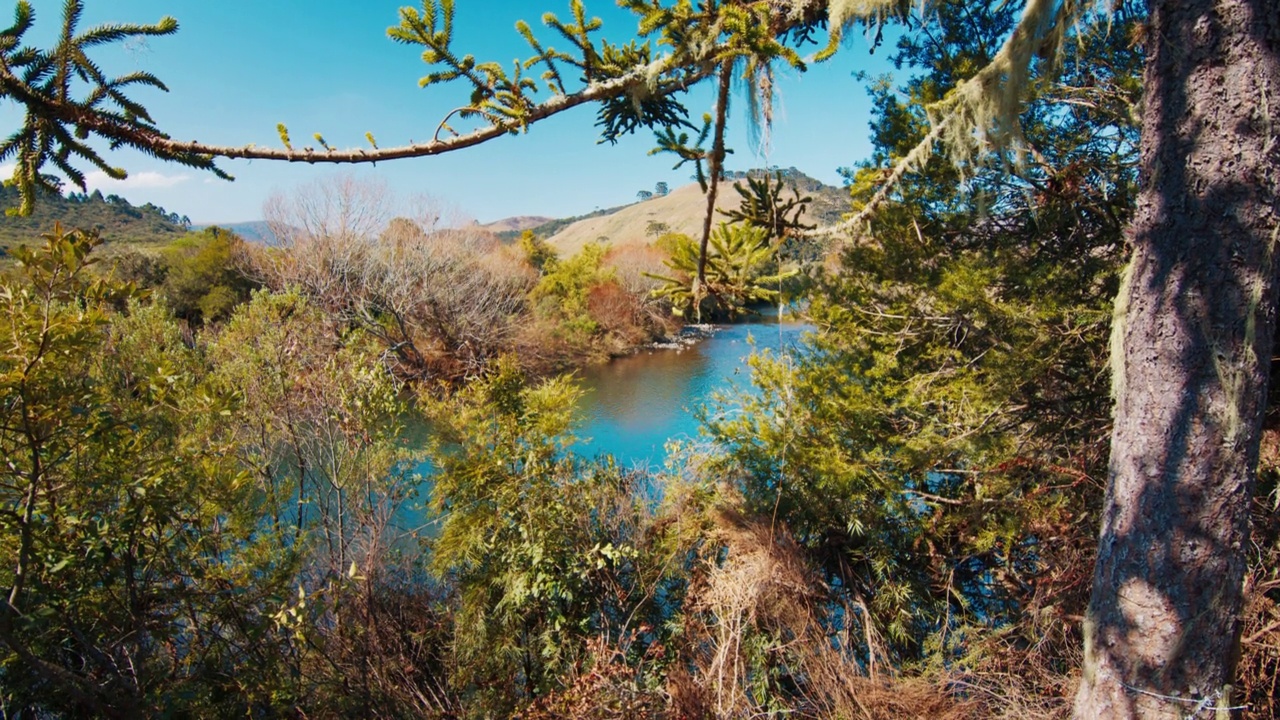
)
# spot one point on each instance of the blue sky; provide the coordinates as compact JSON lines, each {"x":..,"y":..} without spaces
{"x":236,"y":68}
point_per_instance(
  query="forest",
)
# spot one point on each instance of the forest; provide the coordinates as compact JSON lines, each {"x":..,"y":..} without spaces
{"x":1025,"y":466}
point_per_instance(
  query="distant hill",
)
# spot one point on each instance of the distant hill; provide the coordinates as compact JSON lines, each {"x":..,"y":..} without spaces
{"x":552,"y":227}
{"x":114,"y":217}
{"x":517,"y":224}
{"x":256,"y":231}
{"x":682,"y":211}
{"x":635,"y":224}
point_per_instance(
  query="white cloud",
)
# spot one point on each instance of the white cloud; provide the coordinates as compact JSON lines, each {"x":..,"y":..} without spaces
{"x":98,"y":180}
{"x":148,"y":180}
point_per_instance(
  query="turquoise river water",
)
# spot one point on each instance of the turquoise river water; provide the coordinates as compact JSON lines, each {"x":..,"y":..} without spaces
{"x":634,"y":405}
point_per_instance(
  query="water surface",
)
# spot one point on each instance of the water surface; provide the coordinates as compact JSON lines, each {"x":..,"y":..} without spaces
{"x":634,"y":405}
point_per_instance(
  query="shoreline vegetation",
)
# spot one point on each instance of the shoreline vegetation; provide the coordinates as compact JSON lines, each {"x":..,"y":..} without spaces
{"x":209,"y":480}
{"x":256,"y":399}
{"x":445,"y":301}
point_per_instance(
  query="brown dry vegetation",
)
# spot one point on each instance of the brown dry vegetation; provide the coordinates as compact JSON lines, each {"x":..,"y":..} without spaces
{"x":446,"y":302}
{"x":631,"y":262}
{"x":681,"y":211}
{"x":758,"y":636}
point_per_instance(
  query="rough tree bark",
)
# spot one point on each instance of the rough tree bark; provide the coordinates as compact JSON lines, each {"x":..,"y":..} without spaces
{"x":1191,"y":351}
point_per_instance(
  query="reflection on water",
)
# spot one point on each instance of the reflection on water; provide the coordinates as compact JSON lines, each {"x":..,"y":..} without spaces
{"x":634,"y":405}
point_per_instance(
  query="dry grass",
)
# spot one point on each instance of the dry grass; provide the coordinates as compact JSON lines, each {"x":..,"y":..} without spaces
{"x":682,"y":211}
{"x":1259,"y":671}
{"x":758,"y":637}
{"x":631,"y":262}
{"x":754,"y":636}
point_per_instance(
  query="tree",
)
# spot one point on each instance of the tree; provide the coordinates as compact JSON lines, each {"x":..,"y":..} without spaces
{"x":320,"y":428}
{"x":542,"y":549}
{"x":661,"y":189}
{"x":655,"y":228}
{"x":1192,"y":346}
{"x":762,"y":205}
{"x":947,"y":416}
{"x":740,"y":270}
{"x":203,"y":279}
{"x":536,"y":250}
{"x":421,"y":290}
{"x":127,"y":546}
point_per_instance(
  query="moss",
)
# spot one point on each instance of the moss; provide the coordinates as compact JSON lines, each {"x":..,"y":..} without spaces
{"x":1119,"y":312}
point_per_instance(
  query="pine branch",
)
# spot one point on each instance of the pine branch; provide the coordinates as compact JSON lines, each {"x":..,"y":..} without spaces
{"x":981,"y":113}
{"x":139,"y":136}
{"x":546,"y":56}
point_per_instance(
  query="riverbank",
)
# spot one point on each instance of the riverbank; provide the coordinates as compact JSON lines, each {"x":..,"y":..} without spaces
{"x":633,"y":406}
{"x":688,"y":336}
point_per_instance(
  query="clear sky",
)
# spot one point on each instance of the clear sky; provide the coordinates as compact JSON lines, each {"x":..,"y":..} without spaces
{"x":236,"y":68}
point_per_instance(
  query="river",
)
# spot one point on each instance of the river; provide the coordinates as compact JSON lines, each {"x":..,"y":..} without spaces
{"x":634,"y":405}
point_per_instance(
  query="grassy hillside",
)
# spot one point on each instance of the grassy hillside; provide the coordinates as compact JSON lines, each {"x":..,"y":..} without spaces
{"x":680,"y":211}
{"x":550,"y":227}
{"x":513,"y":226}
{"x":114,"y":217}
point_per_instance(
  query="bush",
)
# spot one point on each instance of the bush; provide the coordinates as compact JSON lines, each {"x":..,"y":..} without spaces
{"x":204,"y":280}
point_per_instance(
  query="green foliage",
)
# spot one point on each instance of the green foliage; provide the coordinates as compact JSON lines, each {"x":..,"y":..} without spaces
{"x":496,"y":96}
{"x":540,"y":547}
{"x":204,"y":280}
{"x":191,"y":534}
{"x":138,"y":267}
{"x":940,"y":445}
{"x":536,"y":250}
{"x":624,"y":115}
{"x":319,"y":431}
{"x":562,"y":292}
{"x":122,"y":552}
{"x":741,"y":271}
{"x":677,"y":143}
{"x":319,"y":418}
{"x":763,"y":206}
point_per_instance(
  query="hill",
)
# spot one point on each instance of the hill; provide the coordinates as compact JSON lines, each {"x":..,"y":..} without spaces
{"x":256,"y":231}
{"x":552,"y":226}
{"x":681,"y":211}
{"x":113,"y":216}
{"x":515,"y":225}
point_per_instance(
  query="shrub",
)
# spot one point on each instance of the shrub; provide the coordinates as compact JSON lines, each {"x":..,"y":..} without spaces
{"x":204,"y":279}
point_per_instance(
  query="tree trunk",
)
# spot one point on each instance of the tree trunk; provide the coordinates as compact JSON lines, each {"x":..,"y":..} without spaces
{"x":715,"y":165}
{"x":1191,"y":354}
